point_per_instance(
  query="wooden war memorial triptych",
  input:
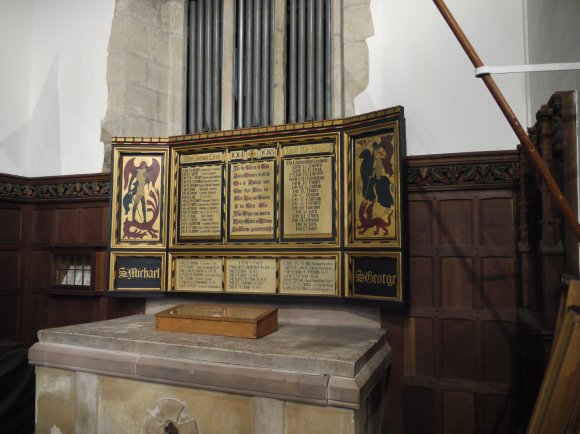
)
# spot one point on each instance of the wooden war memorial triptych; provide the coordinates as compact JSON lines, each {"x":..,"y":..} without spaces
{"x":308,"y":210}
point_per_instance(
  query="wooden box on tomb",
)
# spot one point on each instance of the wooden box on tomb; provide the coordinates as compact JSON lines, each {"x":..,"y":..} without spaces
{"x":236,"y":321}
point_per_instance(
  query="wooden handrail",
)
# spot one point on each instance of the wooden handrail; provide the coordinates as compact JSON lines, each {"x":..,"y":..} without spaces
{"x":537,"y":161}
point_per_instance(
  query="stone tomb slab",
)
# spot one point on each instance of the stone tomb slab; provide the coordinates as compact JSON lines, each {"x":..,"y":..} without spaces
{"x":333,"y":368}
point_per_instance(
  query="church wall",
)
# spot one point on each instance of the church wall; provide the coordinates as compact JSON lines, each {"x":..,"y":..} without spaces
{"x":68,"y":88}
{"x":415,"y":61}
{"x":145,"y":71}
{"x":53,"y":86}
{"x":57,"y":87}
{"x":553,"y":36}
{"x":453,"y":351}
{"x":15,"y":50}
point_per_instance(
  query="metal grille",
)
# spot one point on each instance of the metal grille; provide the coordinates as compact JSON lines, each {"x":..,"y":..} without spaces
{"x":71,"y":269}
{"x":308,"y":61}
{"x":254,"y":44}
{"x":204,"y":65}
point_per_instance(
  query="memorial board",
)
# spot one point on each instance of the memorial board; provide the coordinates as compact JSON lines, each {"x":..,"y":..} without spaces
{"x":308,"y":205}
{"x":251,"y":275}
{"x":306,"y":276}
{"x":252,"y":198}
{"x":305,"y":210}
{"x":198,"y":274}
{"x":200,"y":202}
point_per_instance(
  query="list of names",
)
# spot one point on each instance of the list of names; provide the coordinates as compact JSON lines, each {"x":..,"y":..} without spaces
{"x":308,"y":200}
{"x":252,"y":194}
{"x":198,"y":274}
{"x":201,"y":201}
{"x":308,"y":276}
{"x":251,"y":275}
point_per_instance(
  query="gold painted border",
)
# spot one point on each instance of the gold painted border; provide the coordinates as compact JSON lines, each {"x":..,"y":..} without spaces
{"x":255,"y":255}
{"x":112,"y":262}
{"x":349,"y":211}
{"x":373,"y":254}
{"x":118,"y":152}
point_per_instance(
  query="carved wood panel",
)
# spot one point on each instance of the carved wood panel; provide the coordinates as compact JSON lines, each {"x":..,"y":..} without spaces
{"x":41,"y":215}
{"x":459,"y":338}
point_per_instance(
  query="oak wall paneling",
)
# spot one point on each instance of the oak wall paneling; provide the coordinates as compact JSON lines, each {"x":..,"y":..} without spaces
{"x":10,"y":258}
{"x":453,"y":347}
{"x":459,"y":337}
{"x":548,"y":247}
{"x":41,"y":216}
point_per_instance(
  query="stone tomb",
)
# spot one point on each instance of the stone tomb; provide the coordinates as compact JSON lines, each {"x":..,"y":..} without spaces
{"x":124,"y":376}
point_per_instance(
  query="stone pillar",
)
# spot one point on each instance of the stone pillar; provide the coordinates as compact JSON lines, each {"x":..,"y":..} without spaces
{"x":146,"y":71}
{"x":357,"y":27}
{"x":279,"y":69}
{"x":228,"y":73}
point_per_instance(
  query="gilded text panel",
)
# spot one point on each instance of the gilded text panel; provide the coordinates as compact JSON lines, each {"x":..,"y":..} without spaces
{"x":200,"y":202}
{"x":252,"y":213}
{"x":198,"y":274}
{"x":308,"y":201}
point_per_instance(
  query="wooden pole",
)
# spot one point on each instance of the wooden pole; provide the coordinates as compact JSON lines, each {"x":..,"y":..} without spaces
{"x":535,"y":158}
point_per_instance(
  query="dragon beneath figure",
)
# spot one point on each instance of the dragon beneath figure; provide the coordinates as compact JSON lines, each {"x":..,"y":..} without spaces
{"x":368,"y":221}
{"x":141,"y":199}
{"x":375,"y":165}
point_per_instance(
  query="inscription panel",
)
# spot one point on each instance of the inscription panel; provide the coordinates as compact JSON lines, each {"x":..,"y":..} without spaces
{"x":251,"y":275}
{"x":310,"y":148}
{"x":201,"y":202}
{"x":284,"y":210}
{"x":252,"y":200}
{"x":308,"y":201}
{"x":198,"y":274}
{"x":308,"y":276}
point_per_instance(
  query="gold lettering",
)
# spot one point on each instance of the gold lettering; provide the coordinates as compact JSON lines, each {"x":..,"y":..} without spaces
{"x":376,"y":279}
{"x":123,"y":273}
{"x":139,"y":273}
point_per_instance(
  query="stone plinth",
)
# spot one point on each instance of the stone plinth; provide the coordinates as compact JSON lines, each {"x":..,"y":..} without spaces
{"x":124,"y":376}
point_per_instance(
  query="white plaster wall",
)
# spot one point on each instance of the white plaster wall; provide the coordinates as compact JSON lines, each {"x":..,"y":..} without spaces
{"x":68,"y":86}
{"x":415,"y":61}
{"x":553,"y":36}
{"x":54,"y":89}
{"x":16,"y":55}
